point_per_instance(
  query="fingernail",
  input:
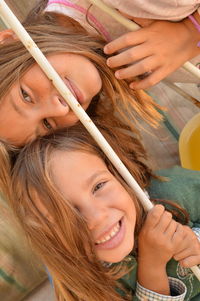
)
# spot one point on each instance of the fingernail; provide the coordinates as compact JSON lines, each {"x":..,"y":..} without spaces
{"x":108,"y":62}
{"x":183,"y":263}
{"x":106,"y":49}
{"x":117,"y":74}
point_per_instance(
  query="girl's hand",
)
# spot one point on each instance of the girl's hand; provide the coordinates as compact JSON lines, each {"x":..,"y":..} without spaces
{"x":188,"y":254}
{"x":159,"y":238}
{"x":156,"y":50}
{"x":157,"y":243}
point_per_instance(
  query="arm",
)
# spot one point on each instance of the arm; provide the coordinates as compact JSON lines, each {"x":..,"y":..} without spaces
{"x":160,"y":48}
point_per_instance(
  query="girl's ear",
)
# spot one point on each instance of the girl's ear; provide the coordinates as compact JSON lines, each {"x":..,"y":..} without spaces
{"x":7,"y":36}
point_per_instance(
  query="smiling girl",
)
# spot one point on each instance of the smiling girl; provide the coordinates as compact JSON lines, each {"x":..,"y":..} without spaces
{"x":30,"y":106}
{"x":89,"y":228}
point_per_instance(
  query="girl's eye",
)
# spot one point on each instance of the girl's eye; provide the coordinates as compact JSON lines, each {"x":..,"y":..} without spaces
{"x":99,"y":186}
{"x":47,"y":125}
{"x":25,"y":95}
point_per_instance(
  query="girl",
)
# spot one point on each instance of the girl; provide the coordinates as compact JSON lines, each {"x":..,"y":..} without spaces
{"x":151,"y":49}
{"x":30,"y":106}
{"x":83,"y":220}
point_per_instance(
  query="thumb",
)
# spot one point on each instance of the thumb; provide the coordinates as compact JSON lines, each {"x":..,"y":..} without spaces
{"x":143,"y":22}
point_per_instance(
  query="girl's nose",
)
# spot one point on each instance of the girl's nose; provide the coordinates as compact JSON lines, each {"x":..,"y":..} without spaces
{"x":94,"y":216}
{"x":58,"y":106}
{"x":55,"y":107}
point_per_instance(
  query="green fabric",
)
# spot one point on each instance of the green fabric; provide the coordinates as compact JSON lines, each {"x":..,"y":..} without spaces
{"x":183,"y":187}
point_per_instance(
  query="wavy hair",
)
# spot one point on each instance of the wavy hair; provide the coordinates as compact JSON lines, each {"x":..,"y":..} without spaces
{"x":51,"y":38}
{"x":55,"y":231}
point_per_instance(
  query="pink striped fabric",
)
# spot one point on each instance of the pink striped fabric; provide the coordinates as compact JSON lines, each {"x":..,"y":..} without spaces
{"x":84,"y":11}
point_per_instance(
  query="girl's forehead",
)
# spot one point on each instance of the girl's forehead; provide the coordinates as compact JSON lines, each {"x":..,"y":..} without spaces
{"x":81,"y":163}
{"x":75,"y":171}
{"x":72,"y":156}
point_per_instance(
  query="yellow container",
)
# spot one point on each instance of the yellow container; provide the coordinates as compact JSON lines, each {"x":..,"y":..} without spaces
{"x":189,"y":144}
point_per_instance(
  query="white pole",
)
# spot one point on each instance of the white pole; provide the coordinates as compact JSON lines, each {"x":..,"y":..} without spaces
{"x":133,"y":27}
{"x":9,"y":18}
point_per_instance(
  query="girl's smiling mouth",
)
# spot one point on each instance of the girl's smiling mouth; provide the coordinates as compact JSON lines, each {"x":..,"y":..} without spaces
{"x":113,"y":238}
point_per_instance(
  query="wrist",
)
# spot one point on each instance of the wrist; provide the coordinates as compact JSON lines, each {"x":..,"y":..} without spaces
{"x":153,"y":278}
{"x":152,"y":264}
{"x":193,"y":33}
{"x":156,"y":261}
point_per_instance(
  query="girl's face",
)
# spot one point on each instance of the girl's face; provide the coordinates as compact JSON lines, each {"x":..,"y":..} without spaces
{"x":108,"y":209}
{"x":33,"y":106}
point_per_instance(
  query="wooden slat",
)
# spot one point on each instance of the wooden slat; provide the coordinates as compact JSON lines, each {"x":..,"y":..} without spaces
{"x":20,"y":8}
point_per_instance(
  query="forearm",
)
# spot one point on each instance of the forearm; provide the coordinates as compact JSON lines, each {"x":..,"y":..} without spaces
{"x":153,"y":277}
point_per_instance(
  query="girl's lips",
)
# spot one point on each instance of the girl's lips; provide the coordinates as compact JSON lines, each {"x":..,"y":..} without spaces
{"x":115,"y":241}
{"x":75,"y":91}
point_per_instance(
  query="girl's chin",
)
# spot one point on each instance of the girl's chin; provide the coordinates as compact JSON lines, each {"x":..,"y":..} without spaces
{"x":113,"y":259}
{"x":117,"y":248}
{"x":116,"y":256}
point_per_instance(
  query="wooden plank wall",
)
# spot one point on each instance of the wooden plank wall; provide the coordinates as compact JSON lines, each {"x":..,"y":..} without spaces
{"x":20,"y":8}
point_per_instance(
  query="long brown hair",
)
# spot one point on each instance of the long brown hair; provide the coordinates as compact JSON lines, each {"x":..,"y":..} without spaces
{"x":53,"y":226}
{"x":115,"y":98}
{"x":66,"y":251}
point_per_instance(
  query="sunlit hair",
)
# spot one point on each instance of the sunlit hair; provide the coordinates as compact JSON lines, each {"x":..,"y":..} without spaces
{"x":115,"y":98}
{"x":56,"y":230}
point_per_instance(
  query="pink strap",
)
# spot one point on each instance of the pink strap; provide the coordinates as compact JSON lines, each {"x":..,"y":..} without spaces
{"x":196,"y":24}
{"x":82,"y":10}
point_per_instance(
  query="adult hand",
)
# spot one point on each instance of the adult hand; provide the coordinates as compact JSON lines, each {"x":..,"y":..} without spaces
{"x":156,"y":50}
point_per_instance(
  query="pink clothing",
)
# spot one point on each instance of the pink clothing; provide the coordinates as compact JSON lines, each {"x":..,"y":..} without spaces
{"x":157,"y":9}
{"x":110,"y":29}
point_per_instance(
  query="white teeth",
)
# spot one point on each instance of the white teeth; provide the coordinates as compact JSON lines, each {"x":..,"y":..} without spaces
{"x":113,"y":232}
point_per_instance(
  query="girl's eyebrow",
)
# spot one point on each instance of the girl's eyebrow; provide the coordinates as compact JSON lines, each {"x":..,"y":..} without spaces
{"x":94,"y":176}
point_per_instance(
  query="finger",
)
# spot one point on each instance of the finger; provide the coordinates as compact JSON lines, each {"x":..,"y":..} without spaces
{"x":171,"y":228}
{"x":178,"y":235}
{"x":143,"y":21}
{"x":140,"y":21}
{"x":187,"y":252}
{"x":165,"y":222}
{"x":126,"y":40}
{"x":154,"y":78}
{"x":189,"y":245}
{"x":154,"y":215}
{"x":190,"y":261}
{"x":144,"y":66}
{"x":129,"y":56}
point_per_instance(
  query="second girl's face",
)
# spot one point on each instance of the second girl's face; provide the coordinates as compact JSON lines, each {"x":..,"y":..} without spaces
{"x":33,"y":106}
{"x":108,"y":209}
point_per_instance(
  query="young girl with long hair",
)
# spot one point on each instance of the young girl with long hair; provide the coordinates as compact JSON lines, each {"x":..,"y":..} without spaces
{"x":88,"y":226}
{"x":30,"y":106}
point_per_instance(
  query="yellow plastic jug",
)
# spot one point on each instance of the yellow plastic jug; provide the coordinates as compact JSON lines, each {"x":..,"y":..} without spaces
{"x":189,"y":144}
